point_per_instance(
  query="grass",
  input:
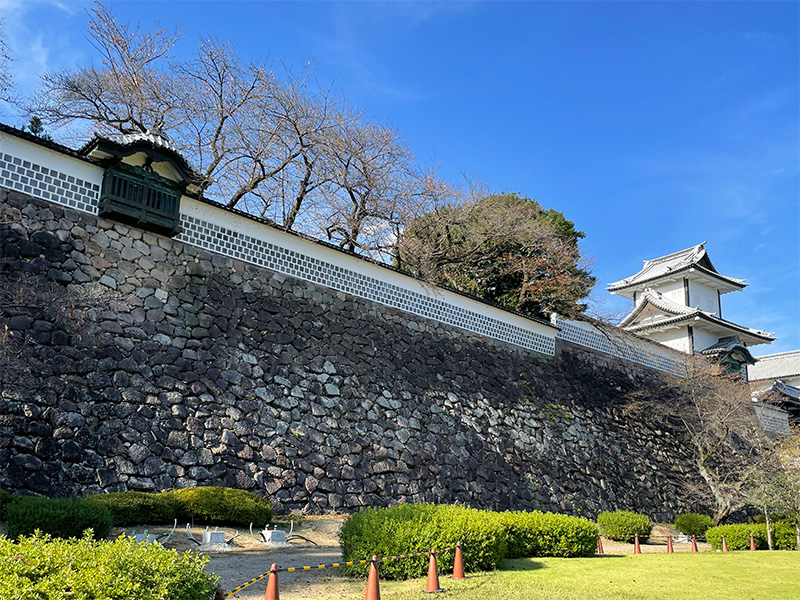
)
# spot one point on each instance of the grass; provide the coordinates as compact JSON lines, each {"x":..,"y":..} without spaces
{"x":707,"y":576}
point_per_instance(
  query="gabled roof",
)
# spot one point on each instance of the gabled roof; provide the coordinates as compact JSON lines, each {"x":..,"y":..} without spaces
{"x":786,"y":390}
{"x":675,"y":314}
{"x":695,"y":257}
{"x":775,"y":366}
{"x":653,"y":298}
{"x":729,"y":345}
{"x":106,"y":148}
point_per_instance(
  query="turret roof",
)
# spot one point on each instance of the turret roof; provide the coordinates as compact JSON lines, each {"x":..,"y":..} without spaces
{"x":695,"y":257}
{"x":727,"y":345}
{"x":675,"y":314}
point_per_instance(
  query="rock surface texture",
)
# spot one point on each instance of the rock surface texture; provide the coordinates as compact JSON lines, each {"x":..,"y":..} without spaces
{"x":193,"y":369}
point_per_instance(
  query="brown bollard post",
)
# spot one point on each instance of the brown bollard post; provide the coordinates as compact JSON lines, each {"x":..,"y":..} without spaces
{"x":600,"y":545}
{"x":694,"y":544}
{"x":373,"y":589}
{"x":458,"y":564}
{"x":752,"y":542}
{"x":272,"y":584}
{"x":433,"y":576}
{"x":636,"y":548}
{"x":724,"y":544}
{"x":669,"y":545}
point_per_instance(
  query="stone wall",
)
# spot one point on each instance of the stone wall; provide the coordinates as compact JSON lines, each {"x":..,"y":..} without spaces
{"x":194,"y":369}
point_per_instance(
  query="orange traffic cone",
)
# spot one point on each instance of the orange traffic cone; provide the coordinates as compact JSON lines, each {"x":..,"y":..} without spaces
{"x":373,"y":589}
{"x":724,"y":544}
{"x":272,"y":584}
{"x":458,"y":565}
{"x":669,"y":545}
{"x":636,"y":548}
{"x":600,"y":545}
{"x":433,"y":576}
{"x":752,"y":542}
{"x":694,"y":544}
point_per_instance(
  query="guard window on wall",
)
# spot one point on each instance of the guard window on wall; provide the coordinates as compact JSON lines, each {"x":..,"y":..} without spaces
{"x":139,"y":197}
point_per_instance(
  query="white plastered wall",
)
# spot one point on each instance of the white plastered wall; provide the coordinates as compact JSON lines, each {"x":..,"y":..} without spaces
{"x":703,"y":297}
{"x":671,"y":290}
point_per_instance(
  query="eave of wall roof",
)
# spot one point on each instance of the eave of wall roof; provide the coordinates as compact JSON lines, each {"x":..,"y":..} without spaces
{"x":776,"y":366}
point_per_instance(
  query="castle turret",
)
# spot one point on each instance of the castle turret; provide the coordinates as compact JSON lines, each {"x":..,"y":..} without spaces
{"x":677,"y":301}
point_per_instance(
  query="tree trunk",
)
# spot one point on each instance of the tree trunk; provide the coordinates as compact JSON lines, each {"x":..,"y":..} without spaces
{"x":769,"y":528}
{"x":723,"y":507}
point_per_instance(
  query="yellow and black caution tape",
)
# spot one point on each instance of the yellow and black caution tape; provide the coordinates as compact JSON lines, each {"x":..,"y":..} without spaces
{"x":330,"y":566}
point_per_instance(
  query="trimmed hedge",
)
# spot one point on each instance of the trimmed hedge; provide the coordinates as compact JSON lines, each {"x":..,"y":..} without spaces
{"x":418,"y":528}
{"x":217,"y":505}
{"x":530,"y":534}
{"x":623,"y":525}
{"x":134,"y":508}
{"x":59,"y":518}
{"x":83,"y":569}
{"x":693,"y":524}
{"x":487,"y":537}
{"x":6,"y":498}
{"x":221,"y":505}
{"x":737,"y":537}
{"x":784,"y":536}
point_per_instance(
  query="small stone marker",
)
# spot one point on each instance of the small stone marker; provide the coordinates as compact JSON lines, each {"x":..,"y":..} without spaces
{"x":274,"y":536}
{"x":148,"y":538}
{"x":213,"y":537}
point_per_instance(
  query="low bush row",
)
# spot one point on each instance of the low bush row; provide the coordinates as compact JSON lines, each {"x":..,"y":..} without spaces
{"x":216,"y":505}
{"x":57,"y":517}
{"x":69,"y":518}
{"x":693,"y":524}
{"x":737,"y":537}
{"x":84,"y":569}
{"x":623,"y":526}
{"x":487,"y":537}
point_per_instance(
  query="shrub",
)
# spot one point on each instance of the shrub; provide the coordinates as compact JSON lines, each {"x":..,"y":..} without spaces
{"x":42,"y":567}
{"x":737,"y":537}
{"x":59,"y":518}
{"x":413,"y":528}
{"x":221,"y":505}
{"x":623,"y":525}
{"x":133,"y":508}
{"x":6,"y":498}
{"x":784,"y":536}
{"x":693,"y":524}
{"x":530,"y":534}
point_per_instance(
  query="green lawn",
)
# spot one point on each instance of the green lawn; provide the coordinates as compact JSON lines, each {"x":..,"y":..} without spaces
{"x":705,"y":576}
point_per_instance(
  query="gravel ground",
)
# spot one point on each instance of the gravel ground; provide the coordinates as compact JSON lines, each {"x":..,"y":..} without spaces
{"x":248,"y":558}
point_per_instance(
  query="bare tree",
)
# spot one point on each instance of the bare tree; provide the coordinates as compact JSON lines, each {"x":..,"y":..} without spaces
{"x":272,"y":142}
{"x":6,"y":80}
{"x":128,"y":92}
{"x":715,"y":412}
{"x":775,"y":489}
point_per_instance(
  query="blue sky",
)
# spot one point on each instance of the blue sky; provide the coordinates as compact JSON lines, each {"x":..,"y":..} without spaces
{"x":654,"y":126}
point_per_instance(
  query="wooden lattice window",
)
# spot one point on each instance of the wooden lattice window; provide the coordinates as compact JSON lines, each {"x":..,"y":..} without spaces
{"x":140,"y":197}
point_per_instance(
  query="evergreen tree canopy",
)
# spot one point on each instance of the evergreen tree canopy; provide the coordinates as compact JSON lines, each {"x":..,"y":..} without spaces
{"x":503,"y":248}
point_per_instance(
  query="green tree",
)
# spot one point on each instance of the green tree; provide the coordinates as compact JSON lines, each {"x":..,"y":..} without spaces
{"x":503,"y":248}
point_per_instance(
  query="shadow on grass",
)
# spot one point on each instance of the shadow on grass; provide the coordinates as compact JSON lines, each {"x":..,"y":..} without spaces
{"x":521,"y":564}
{"x":528,"y":564}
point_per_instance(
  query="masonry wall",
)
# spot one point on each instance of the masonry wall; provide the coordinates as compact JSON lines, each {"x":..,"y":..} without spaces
{"x":197,"y":369}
